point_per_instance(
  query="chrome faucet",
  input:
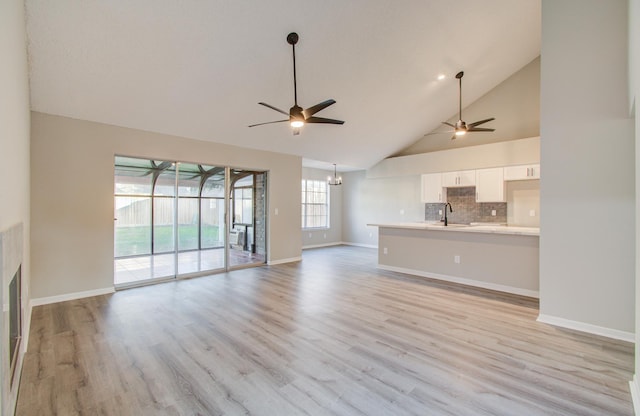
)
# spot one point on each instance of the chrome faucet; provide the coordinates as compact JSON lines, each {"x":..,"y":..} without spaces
{"x":446,"y":221}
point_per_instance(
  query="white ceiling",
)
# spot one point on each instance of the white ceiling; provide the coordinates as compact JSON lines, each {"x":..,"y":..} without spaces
{"x":198,"y":68}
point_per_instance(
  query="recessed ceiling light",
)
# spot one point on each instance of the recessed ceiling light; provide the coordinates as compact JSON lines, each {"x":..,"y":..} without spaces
{"x":441,"y":77}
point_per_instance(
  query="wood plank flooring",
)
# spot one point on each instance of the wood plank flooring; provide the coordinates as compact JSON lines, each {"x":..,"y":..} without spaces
{"x":331,"y":335}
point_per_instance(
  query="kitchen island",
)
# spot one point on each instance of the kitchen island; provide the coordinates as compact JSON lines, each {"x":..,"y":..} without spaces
{"x":495,"y":257}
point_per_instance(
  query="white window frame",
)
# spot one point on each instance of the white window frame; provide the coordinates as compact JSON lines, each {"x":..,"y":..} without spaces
{"x":305,"y":203}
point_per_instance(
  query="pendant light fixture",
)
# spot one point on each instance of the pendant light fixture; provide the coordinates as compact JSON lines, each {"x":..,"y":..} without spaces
{"x":336,"y":180}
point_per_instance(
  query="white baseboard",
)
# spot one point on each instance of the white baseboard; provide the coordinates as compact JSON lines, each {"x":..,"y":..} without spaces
{"x":635,"y":394}
{"x":360,"y":245}
{"x":588,"y":328}
{"x":71,"y":296}
{"x":282,"y":261}
{"x":464,"y":281}
{"x":323,"y":245}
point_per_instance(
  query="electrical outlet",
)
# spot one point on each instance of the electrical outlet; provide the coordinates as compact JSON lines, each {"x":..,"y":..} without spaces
{"x":276,"y":211}
{"x":325,"y":235}
{"x":456,"y":259}
{"x":402,"y":212}
{"x":385,"y":251}
{"x":493,"y":212}
{"x":370,"y":235}
{"x":532,"y":212}
{"x":309,"y":235}
{"x":440,"y":212}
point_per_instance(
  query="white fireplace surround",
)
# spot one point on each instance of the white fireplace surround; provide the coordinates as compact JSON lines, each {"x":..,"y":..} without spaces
{"x":11,"y":246}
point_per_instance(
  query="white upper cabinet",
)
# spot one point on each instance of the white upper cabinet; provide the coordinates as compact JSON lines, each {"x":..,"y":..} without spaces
{"x":522,"y":172}
{"x":432,"y":188}
{"x":490,"y":185}
{"x":460,"y":178}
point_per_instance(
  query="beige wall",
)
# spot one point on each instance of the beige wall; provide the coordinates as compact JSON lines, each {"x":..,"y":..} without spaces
{"x":587,"y":240}
{"x":377,"y":200}
{"x":72,"y":196}
{"x":332,"y":235}
{"x":14,"y":166}
{"x":523,"y":197}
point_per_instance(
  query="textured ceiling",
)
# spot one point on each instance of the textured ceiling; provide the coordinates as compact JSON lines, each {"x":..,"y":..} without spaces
{"x":198,"y":68}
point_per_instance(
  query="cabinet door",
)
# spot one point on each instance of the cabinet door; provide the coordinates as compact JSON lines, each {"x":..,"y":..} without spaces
{"x":467,"y":178}
{"x":432,"y":188}
{"x":521,"y":172}
{"x":450,"y":179}
{"x":490,"y":185}
{"x":460,"y":178}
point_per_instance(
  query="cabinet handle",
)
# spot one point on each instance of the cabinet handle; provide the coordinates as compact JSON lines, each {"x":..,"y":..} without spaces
{"x":532,"y":170}
{"x":527,"y":172}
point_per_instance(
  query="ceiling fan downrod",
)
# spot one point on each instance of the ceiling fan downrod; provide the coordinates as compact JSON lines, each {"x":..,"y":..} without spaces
{"x":292,"y":39}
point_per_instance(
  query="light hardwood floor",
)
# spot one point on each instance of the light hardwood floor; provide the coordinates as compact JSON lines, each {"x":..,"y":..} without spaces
{"x":331,"y":335}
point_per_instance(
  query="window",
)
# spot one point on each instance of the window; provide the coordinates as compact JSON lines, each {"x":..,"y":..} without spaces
{"x":315,"y":204}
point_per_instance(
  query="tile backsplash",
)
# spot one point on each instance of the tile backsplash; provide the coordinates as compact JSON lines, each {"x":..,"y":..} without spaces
{"x":466,"y":209}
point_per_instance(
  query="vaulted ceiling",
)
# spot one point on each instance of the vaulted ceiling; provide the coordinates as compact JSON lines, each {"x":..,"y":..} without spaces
{"x":197,"y":68}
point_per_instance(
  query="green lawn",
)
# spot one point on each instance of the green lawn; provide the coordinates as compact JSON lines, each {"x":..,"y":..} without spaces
{"x":132,"y":241}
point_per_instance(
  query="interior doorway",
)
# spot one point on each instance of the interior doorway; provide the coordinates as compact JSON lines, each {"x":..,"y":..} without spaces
{"x":172,"y":220}
{"x":247,"y":219}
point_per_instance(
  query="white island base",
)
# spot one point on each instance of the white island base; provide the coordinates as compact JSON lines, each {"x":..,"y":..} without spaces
{"x":503,"y":261}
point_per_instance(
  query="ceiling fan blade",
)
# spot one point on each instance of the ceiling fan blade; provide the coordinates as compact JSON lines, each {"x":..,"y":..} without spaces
{"x":449,"y":124}
{"x":479,"y":129}
{"x":314,"y":109}
{"x":323,"y":120}
{"x":477,"y":123}
{"x":438,"y":132}
{"x":274,"y":108}
{"x":268,"y":122}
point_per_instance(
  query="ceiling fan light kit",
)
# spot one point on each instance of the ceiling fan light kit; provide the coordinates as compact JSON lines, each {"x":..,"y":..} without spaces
{"x":298,"y":116}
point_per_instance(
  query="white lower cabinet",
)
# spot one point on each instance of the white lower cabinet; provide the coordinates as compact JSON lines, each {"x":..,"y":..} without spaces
{"x":432,"y":188}
{"x":490,"y":185}
{"x":521,"y":172}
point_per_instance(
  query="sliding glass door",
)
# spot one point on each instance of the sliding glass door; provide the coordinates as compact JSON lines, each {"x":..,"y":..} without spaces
{"x":200,"y":219}
{"x":171,"y":221}
{"x":143,"y":220}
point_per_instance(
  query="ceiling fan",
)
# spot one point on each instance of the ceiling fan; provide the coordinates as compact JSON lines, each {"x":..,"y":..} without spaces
{"x":297,"y":116}
{"x":461,"y":128}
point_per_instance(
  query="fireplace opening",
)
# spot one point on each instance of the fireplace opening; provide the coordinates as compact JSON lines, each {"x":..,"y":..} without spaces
{"x":15,"y":319}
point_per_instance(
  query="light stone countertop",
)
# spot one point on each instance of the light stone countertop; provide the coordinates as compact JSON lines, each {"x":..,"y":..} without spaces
{"x":465,"y":228}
